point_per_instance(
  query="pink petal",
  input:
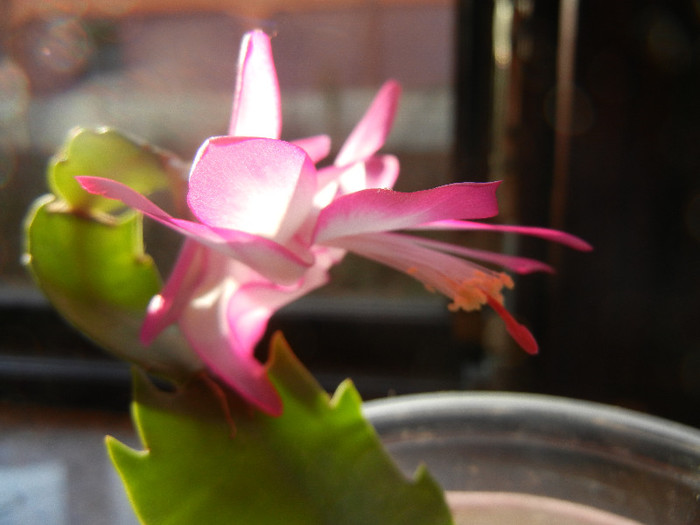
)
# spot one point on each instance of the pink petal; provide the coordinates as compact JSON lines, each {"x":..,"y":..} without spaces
{"x":166,"y":307}
{"x":274,"y":261}
{"x":112,"y":189}
{"x":282,"y":264}
{"x":256,"y":104}
{"x":202,"y":323}
{"x":382,"y":171}
{"x":259,"y":186}
{"x":333,"y":181}
{"x":350,"y":178}
{"x":228,"y":314}
{"x":327,"y":184}
{"x":515,"y":263}
{"x":377,"y":210}
{"x":317,"y":147}
{"x":371,"y":132}
{"x":254,"y":303}
{"x":545,"y":233}
{"x":438,"y":271}
{"x":377,"y":172}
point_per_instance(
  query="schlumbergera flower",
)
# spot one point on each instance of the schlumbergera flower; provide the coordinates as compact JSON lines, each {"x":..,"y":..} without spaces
{"x":268,"y":225}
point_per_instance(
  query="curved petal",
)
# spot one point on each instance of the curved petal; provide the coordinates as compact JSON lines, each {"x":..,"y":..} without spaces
{"x":317,"y":147}
{"x":259,"y":186}
{"x":254,"y":303}
{"x":512,"y":262}
{"x":545,"y":233}
{"x":382,"y":171}
{"x":470,"y":286}
{"x":378,"y":210}
{"x":439,"y":271}
{"x":371,"y":132}
{"x":274,"y":261}
{"x":350,"y":178}
{"x":166,"y":307}
{"x":377,"y":172}
{"x":227,"y":315}
{"x":256,"y":103}
{"x":204,"y":324}
{"x":327,"y":185}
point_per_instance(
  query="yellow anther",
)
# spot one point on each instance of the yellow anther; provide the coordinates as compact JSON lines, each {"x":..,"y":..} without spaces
{"x":471,"y":294}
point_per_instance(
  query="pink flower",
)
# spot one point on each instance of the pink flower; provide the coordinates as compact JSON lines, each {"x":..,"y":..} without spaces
{"x":268,"y":225}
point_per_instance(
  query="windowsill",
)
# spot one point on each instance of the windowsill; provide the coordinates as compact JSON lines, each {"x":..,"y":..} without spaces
{"x":407,"y":342}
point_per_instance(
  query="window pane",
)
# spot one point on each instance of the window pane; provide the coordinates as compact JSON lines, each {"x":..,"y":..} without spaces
{"x":167,"y":76}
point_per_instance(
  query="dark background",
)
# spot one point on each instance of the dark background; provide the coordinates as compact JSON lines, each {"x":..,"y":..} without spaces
{"x":620,"y":324}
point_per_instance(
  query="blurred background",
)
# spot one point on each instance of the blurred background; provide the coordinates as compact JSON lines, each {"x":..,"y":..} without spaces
{"x":589,"y":111}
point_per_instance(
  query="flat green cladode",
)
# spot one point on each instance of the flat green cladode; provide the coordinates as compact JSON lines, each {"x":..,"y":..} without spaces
{"x":86,"y":252}
{"x":318,"y":463}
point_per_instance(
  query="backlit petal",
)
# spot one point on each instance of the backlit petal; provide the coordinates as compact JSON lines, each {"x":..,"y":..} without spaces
{"x":377,"y":172}
{"x":545,"y":233}
{"x":378,"y":210}
{"x":382,"y":171}
{"x":470,"y":286}
{"x":256,"y":103}
{"x":371,"y":132}
{"x":269,"y":258}
{"x":438,"y":271}
{"x":512,"y":262}
{"x":204,"y":325}
{"x":317,"y":147}
{"x":259,"y":186}
{"x":253,"y":304}
{"x":166,"y":307}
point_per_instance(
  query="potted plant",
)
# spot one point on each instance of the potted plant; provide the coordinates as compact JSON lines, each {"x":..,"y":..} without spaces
{"x":228,"y":438}
{"x":526,"y":458}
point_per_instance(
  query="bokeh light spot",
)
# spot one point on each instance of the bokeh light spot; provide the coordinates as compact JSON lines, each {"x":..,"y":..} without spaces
{"x":65,"y":47}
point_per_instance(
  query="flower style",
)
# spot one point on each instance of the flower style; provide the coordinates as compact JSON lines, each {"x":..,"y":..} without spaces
{"x":268,"y":225}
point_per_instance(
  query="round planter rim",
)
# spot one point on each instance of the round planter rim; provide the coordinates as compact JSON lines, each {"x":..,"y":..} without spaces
{"x":430,"y":408}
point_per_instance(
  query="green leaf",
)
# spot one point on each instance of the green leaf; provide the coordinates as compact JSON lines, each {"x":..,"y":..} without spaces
{"x":319,"y":463}
{"x":107,"y":153}
{"x":97,"y":275}
{"x":99,"y":261}
{"x":91,"y":265}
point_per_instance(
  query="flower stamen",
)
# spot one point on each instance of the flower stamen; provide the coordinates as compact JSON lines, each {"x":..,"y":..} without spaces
{"x":472,"y":293}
